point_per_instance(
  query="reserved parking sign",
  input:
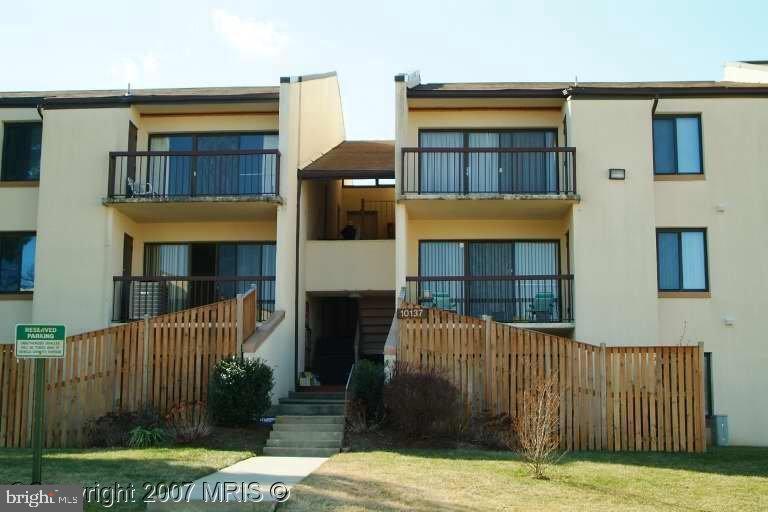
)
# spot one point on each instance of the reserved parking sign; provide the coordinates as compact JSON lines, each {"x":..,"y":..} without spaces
{"x":35,"y":341}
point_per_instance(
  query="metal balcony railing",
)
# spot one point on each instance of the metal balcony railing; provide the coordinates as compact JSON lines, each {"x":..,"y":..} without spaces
{"x":531,"y":171}
{"x":137,"y":296}
{"x":179,"y":174}
{"x":511,"y":299}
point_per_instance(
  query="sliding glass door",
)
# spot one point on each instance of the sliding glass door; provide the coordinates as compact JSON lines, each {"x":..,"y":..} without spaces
{"x":467,"y":166}
{"x":500,"y":278}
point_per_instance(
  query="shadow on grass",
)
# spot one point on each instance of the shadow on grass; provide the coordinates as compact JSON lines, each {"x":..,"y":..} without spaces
{"x":730,"y":461}
{"x":332,"y":492}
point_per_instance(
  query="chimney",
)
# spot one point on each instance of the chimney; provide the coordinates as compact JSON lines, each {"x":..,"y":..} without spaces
{"x":751,"y":71}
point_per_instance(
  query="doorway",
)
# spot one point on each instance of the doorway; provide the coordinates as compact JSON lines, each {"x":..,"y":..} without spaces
{"x":334,"y":351}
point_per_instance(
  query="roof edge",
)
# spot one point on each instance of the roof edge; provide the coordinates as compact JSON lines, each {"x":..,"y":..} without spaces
{"x":307,"y":78}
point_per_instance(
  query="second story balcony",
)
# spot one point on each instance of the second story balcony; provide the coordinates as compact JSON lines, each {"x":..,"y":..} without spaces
{"x":151,"y":175}
{"x":195,"y":185}
{"x":489,"y":171}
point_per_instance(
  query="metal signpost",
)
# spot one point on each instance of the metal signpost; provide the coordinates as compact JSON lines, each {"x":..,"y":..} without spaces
{"x":39,"y":342}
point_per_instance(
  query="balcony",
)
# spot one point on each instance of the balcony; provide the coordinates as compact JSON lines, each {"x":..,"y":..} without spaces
{"x":531,"y":182}
{"x":138,"y":179}
{"x":135,"y":297}
{"x":546,"y":301}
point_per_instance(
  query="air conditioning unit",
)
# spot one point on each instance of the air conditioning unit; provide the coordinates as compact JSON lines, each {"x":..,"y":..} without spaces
{"x":147,"y":298}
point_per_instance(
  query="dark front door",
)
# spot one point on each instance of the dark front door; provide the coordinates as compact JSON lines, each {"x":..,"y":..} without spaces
{"x":202,"y":263}
{"x":335,"y":351}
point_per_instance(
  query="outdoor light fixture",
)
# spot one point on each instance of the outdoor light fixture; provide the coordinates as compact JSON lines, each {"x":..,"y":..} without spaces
{"x":617,"y":174}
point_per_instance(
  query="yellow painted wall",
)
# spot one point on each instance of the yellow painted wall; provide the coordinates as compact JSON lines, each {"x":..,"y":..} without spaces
{"x":735,"y":155}
{"x":13,"y":312}
{"x":349,"y":265}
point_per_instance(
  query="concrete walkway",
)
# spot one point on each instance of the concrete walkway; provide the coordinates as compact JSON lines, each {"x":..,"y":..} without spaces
{"x":273,"y":474}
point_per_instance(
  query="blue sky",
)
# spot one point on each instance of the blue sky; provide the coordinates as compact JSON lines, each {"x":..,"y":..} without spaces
{"x":105,"y":44}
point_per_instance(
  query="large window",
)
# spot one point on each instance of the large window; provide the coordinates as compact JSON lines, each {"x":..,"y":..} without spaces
{"x":21,"y":151}
{"x":468,"y":165}
{"x":682,"y":259}
{"x":485,"y":264}
{"x":215,"y":174}
{"x":677,"y":144}
{"x":17,"y":262}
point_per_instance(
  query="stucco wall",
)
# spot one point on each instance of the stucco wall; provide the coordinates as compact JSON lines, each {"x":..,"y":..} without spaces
{"x":349,"y":265}
{"x":735,"y":166}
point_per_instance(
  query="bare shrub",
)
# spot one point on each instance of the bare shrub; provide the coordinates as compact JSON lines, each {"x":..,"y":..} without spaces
{"x":357,"y":417}
{"x":188,"y":421}
{"x":536,"y":429}
{"x":494,"y":431}
{"x":421,"y":403}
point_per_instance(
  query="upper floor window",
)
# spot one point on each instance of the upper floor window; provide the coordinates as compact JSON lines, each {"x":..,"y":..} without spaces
{"x":682,"y":259}
{"x":17,"y":262}
{"x":677,"y":144}
{"x":21,"y":151}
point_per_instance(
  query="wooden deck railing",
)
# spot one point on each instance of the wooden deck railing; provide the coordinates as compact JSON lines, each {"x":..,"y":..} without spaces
{"x":156,"y":362}
{"x":611,"y":398}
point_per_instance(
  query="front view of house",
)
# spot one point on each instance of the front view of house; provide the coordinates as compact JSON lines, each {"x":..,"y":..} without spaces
{"x":628,"y":214}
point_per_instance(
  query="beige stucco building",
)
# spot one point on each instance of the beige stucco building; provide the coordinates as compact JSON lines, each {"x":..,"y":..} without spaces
{"x":618,"y":213}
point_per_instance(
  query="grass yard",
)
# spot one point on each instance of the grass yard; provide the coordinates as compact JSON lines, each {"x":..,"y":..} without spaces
{"x":124,"y":465}
{"x":724,"y":479}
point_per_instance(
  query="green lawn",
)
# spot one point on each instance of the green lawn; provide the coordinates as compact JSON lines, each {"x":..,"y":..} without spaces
{"x":123,"y":465}
{"x":723,"y":479}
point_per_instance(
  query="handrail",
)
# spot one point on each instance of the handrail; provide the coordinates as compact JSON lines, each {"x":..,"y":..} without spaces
{"x":233,"y":152}
{"x":193,"y":278}
{"x":346,"y":388}
{"x":562,"y":277}
{"x":553,"y":149}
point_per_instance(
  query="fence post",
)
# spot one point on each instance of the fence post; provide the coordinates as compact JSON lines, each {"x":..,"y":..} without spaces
{"x":702,"y":438}
{"x":603,"y":397}
{"x":487,"y":370}
{"x":145,"y":379}
{"x":239,"y":323}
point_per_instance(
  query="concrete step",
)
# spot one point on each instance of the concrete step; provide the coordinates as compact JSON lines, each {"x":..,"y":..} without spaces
{"x":300,"y":452}
{"x":310,"y":436}
{"x":322,"y":395}
{"x":280,"y":420}
{"x":308,"y":427}
{"x":285,"y":443}
{"x":301,"y":409}
{"x":312,"y":401}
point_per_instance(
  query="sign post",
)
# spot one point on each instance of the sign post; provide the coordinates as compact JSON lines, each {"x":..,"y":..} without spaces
{"x":39,"y":342}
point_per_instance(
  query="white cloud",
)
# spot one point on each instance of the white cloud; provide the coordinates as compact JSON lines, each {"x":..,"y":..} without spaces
{"x":252,"y":38}
{"x":135,"y":70}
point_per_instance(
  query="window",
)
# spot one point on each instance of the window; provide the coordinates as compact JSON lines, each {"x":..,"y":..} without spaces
{"x":17,"y":262}
{"x":21,"y":151}
{"x":682,"y":259}
{"x":677,"y":145}
{"x":370,"y":182}
{"x":469,"y":165}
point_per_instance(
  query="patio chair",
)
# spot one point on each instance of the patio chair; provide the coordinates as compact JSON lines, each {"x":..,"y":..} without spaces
{"x":137,"y":189}
{"x":542,"y":307}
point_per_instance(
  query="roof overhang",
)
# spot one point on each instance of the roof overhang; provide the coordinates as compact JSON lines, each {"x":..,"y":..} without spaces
{"x":345,"y":174}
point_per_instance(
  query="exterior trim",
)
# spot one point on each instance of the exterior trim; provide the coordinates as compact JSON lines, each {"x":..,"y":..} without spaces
{"x":595,"y":92}
{"x":678,"y":231}
{"x":685,"y":295}
{"x":16,"y":296}
{"x":701,"y":143}
{"x":20,"y":184}
{"x":679,"y":177}
{"x":347,"y":175}
{"x":126,"y":101}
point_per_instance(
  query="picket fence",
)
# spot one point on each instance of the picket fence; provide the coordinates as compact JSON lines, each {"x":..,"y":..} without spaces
{"x":613,"y":398}
{"x":156,"y":362}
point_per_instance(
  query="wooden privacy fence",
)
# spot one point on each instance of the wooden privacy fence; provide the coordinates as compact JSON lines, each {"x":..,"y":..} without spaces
{"x":611,"y":398}
{"x":156,"y":362}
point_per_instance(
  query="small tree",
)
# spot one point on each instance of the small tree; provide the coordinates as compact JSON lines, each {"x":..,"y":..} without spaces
{"x":239,"y":391}
{"x":537,"y":427}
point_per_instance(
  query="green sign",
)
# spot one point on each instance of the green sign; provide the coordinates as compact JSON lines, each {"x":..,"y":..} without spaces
{"x":40,"y":341}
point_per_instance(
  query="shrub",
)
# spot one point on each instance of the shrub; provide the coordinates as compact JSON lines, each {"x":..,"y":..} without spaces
{"x":422,"y":403}
{"x":141,"y":437}
{"x":113,"y":429}
{"x":367,"y":387}
{"x":188,"y":421}
{"x":537,"y":427}
{"x":495,"y":432}
{"x":239,"y":390}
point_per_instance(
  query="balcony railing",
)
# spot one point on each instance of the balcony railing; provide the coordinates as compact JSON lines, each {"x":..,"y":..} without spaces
{"x":534,"y":171}
{"x":179,"y":174}
{"x":511,"y":299}
{"x":135,"y":297}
